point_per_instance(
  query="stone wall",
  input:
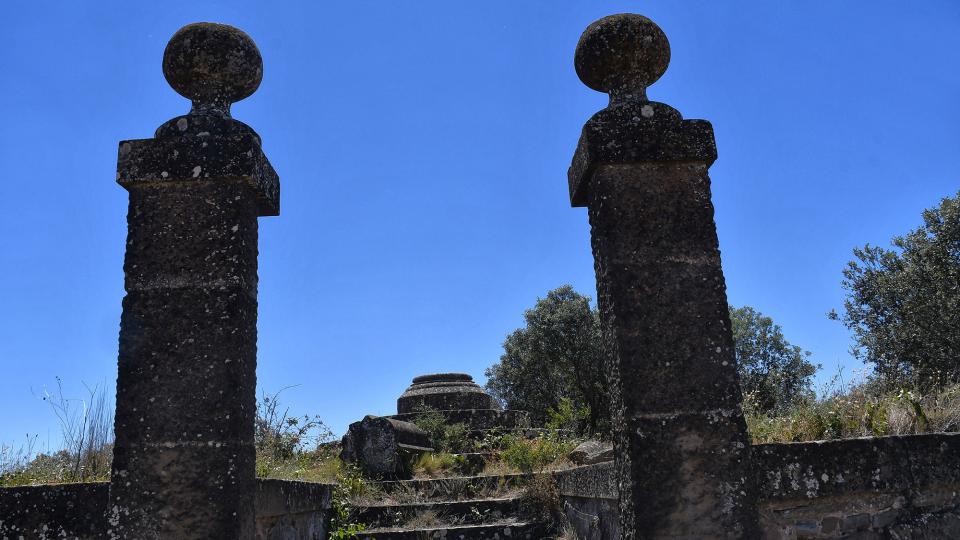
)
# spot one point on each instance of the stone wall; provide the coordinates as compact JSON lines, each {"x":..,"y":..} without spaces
{"x":58,"y":511}
{"x":589,"y":496}
{"x":882,"y":487}
{"x":285,"y":509}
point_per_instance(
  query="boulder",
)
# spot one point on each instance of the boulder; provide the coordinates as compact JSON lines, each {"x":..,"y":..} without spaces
{"x":591,"y":452}
{"x":384,"y":447}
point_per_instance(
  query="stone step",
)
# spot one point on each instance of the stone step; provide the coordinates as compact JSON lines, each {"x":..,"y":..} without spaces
{"x":474,"y":462}
{"x":465,"y":512}
{"x":525,"y":432}
{"x":501,"y":531}
{"x":449,"y":489}
{"x":478,"y":418}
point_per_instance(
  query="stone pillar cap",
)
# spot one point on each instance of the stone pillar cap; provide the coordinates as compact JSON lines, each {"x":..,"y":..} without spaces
{"x":212,"y":65}
{"x":622,"y":55}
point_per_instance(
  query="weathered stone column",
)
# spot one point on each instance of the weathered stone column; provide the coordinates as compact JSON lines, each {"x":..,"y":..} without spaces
{"x":641,"y":170}
{"x":183,"y":464}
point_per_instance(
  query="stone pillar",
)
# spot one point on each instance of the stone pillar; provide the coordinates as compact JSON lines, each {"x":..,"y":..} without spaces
{"x":183,"y":463}
{"x":682,"y":448}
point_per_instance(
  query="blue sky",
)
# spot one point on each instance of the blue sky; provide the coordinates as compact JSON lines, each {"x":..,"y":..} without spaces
{"x":423,"y":148}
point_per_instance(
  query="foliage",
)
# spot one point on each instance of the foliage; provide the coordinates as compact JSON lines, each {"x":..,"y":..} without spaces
{"x":863,"y":408}
{"x":534,"y":455}
{"x":293,"y":447}
{"x":349,"y":487}
{"x":450,"y":438}
{"x":555,"y":364}
{"x":320,"y":465}
{"x":567,"y":416}
{"x":774,"y":374}
{"x":279,"y":436}
{"x":556,"y":355}
{"x":903,"y":304}
{"x":17,"y":469}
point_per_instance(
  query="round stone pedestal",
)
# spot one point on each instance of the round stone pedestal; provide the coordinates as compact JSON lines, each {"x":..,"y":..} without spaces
{"x":445,"y":392}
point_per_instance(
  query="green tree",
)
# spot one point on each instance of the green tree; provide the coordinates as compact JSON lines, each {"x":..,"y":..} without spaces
{"x":556,"y":361}
{"x":774,"y":374}
{"x":555,"y":356}
{"x":903,"y":304}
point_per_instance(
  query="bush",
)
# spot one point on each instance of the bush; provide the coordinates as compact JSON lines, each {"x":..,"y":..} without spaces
{"x":445,"y":438}
{"x":350,"y":486}
{"x":533,"y":455}
{"x":279,"y":436}
{"x":293,"y":447}
{"x":567,"y":416}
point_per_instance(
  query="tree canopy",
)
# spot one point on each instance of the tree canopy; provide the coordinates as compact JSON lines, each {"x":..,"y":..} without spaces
{"x":903,"y":304}
{"x":558,"y":355}
{"x":774,"y":374}
{"x":555,"y":356}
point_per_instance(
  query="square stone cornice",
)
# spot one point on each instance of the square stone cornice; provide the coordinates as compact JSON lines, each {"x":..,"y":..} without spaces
{"x":637,"y":132}
{"x":238,"y":157}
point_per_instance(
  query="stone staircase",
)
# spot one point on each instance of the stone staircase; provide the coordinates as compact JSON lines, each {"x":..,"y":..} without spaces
{"x":473,"y":507}
{"x":456,"y":507}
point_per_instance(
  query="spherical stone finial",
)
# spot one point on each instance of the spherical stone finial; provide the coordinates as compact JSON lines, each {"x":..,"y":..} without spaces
{"x":213,"y":65}
{"x":622,"y":55}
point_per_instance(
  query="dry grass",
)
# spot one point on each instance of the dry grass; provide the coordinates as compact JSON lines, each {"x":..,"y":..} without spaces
{"x":425,"y":520}
{"x":436,"y":465}
{"x":540,"y":500}
{"x":860,"y":409}
{"x":86,"y":428}
{"x":321,"y":465}
{"x":566,"y":532}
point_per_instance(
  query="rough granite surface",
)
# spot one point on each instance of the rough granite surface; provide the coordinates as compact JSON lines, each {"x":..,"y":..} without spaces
{"x":284,"y":510}
{"x":682,"y":457}
{"x":183,"y":463}
{"x":444,"y":391}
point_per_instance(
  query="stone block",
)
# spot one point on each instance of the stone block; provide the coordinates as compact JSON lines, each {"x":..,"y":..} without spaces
{"x":830,"y":525}
{"x":478,"y":419}
{"x":383,"y":447}
{"x":183,"y":372}
{"x":192,"y":235}
{"x":591,"y":452}
{"x":198,"y":159}
{"x":856,"y":522}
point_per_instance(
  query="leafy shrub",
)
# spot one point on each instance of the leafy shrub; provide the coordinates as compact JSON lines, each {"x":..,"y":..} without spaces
{"x":349,"y":487}
{"x":567,"y":416}
{"x":293,"y":447}
{"x":279,"y":436}
{"x":534,"y":455}
{"x":444,"y":437}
